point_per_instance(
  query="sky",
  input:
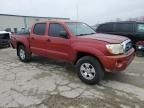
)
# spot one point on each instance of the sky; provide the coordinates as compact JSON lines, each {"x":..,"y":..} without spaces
{"x":89,"y":11}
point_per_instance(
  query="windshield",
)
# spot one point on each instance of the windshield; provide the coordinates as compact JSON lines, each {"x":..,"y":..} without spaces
{"x":140,"y":28}
{"x":80,"y":29}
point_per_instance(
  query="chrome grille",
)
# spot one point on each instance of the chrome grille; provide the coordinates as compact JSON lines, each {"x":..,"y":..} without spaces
{"x":127,"y":45}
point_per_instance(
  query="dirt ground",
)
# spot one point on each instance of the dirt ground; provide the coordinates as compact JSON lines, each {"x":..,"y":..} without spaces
{"x":45,"y":83}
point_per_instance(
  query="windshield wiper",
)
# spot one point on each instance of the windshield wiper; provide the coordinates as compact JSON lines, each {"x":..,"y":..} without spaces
{"x":85,"y":34}
{"x":92,"y":33}
{"x":82,"y":34}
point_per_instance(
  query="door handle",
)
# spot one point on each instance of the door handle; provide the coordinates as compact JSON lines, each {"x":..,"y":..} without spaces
{"x":48,"y":40}
{"x":32,"y":38}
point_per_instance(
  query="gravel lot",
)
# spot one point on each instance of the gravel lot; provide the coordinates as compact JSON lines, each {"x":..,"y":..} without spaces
{"x":44,"y":83}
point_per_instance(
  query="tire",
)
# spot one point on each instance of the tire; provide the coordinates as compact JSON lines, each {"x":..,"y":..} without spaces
{"x":23,"y":55}
{"x":89,"y":70}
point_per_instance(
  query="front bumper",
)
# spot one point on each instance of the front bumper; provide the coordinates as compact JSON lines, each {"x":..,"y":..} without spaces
{"x":117,"y":63}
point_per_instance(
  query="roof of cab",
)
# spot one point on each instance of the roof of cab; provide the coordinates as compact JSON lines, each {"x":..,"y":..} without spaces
{"x":62,"y":21}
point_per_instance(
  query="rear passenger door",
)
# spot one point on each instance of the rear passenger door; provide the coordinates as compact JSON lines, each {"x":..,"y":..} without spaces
{"x":38,"y":39}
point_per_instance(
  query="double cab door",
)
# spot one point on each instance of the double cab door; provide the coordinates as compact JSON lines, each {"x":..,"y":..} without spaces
{"x":47,"y":41}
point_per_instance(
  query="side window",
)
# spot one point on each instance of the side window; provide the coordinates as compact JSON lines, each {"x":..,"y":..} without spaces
{"x":124,"y":27}
{"x":100,"y":28}
{"x":140,"y":28}
{"x":105,"y":28}
{"x":39,"y":29}
{"x":55,"y":29}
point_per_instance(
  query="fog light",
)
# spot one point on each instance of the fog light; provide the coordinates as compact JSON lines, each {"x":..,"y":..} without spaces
{"x":119,"y":64}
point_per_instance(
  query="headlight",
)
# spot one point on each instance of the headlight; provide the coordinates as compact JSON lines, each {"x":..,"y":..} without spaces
{"x":115,"y":48}
{"x":140,"y":47}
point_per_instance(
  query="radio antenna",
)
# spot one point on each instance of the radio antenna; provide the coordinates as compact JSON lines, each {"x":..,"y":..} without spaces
{"x":77,"y":12}
{"x":77,"y":18}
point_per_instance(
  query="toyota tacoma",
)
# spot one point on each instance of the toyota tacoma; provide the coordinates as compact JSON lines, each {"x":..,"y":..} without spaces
{"x":92,"y":53}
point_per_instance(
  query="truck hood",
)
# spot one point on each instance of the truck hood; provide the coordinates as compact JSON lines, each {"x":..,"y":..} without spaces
{"x":106,"y":37}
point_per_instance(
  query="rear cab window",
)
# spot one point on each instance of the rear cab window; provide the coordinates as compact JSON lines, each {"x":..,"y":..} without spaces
{"x":39,"y":29}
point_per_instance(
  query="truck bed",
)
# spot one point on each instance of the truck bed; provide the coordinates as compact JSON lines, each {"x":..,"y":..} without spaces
{"x":19,"y":38}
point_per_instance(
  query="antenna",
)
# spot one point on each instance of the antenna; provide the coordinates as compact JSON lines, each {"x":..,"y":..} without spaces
{"x":77,"y":12}
{"x":77,"y":17}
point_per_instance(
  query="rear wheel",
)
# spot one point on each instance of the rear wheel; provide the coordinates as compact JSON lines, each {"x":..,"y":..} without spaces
{"x":89,"y":70}
{"x":24,"y":56}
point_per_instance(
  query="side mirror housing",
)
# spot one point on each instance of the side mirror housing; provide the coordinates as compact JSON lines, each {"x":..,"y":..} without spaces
{"x":64,"y":34}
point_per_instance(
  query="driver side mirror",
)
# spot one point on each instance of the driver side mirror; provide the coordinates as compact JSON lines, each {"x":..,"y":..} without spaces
{"x":63,"y":34}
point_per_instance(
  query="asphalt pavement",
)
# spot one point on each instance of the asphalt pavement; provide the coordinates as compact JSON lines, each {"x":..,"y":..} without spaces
{"x":45,"y":83}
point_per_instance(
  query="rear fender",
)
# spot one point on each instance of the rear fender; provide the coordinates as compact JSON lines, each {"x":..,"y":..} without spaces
{"x":26,"y":45}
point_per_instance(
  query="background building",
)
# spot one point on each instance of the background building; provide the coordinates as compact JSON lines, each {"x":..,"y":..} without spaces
{"x":15,"y":23}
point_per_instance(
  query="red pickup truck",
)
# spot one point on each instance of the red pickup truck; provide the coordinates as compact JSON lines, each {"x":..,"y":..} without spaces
{"x":76,"y":42}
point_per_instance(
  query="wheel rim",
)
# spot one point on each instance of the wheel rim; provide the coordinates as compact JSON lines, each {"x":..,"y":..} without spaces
{"x":22,"y":54}
{"x":87,"y":71}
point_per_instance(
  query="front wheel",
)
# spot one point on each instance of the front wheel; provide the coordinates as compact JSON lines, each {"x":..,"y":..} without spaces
{"x":24,"y":56}
{"x":89,"y":70}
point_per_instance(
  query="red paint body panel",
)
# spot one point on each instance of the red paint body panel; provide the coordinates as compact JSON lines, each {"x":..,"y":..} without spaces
{"x":117,"y":63}
{"x":22,"y":39}
{"x":67,"y":49}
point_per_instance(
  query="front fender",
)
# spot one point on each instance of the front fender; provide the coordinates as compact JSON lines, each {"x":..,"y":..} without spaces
{"x":90,"y":50}
{"x":97,"y":51}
